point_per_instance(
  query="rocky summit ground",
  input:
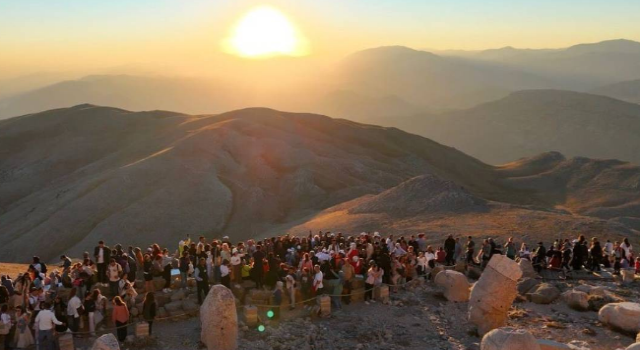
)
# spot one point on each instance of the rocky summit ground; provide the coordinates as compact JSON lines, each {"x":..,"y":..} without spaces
{"x":417,"y":316}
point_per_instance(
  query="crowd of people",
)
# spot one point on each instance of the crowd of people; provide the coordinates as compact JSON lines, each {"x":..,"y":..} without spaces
{"x":33,"y":309}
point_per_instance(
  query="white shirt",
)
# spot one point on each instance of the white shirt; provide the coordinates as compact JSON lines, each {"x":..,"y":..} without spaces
{"x":608,"y":248}
{"x":430,"y":256}
{"x":46,"y":319}
{"x":100,"y":255}
{"x":290,"y":281}
{"x":235,"y":260}
{"x":224,"y":270}
{"x":317,"y":280}
{"x":72,"y":307}
{"x":6,"y":319}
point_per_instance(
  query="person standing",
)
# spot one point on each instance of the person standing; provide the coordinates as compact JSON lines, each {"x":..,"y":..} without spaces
{"x":202,"y":280}
{"x":510,"y":249}
{"x":184,"y":264}
{"x":225,"y":274}
{"x":120,"y":318}
{"x":73,"y":315}
{"x":471,"y":245}
{"x":348,"y":276}
{"x":23,"y":337}
{"x":596,"y":254}
{"x":167,"y":261}
{"x":133,"y":265}
{"x":258,"y":268}
{"x":149,"y":308}
{"x":450,"y":249}
{"x":317,"y":280}
{"x":290,"y":285}
{"x":44,"y":325}
{"x":114,"y":271}
{"x":458,"y":252}
{"x":90,"y":310}
{"x":277,"y":300}
{"x":5,"y":327}
{"x":236,"y":267}
{"x":102,"y":254}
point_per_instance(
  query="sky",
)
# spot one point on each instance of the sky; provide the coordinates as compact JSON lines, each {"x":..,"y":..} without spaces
{"x":45,"y":35}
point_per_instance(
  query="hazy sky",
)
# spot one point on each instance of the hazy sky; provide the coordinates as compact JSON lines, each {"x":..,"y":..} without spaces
{"x":66,"y":35}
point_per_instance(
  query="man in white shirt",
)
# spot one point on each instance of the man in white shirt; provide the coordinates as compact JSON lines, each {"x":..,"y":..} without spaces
{"x":317,"y":280}
{"x":72,"y":311}
{"x":44,"y":325}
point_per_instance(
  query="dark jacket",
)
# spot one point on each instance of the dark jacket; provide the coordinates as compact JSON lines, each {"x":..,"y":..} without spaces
{"x":106,"y":254}
{"x":450,"y":244}
{"x":149,"y":311}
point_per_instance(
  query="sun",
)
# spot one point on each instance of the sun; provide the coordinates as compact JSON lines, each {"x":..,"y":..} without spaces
{"x":265,"y":32}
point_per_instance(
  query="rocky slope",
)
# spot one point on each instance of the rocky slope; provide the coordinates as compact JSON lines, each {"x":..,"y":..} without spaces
{"x":78,"y":175}
{"x":81,"y":174}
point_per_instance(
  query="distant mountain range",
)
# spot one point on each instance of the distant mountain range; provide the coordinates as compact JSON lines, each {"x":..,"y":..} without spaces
{"x":379,"y":82}
{"x":526,"y":123}
{"x":626,"y":91}
{"x":81,"y":174}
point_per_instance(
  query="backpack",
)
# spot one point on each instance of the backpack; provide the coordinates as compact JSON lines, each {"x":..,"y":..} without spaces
{"x":43,"y":267}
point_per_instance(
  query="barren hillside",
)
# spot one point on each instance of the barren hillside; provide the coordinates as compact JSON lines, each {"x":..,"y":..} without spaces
{"x":77,"y":175}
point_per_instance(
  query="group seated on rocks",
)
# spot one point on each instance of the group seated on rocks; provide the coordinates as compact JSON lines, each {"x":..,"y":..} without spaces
{"x":114,"y":286}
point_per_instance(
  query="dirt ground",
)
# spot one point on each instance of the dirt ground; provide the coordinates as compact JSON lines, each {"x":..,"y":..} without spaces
{"x":415,"y":318}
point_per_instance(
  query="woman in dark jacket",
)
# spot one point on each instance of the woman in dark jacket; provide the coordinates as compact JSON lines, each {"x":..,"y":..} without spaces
{"x":149,"y":309}
{"x":596,"y":255}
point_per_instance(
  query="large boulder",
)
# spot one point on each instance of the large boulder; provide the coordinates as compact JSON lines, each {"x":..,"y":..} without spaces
{"x":508,"y":338}
{"x":543,"y":293}
{"x":189,"y":306}
{"x":162,"y":299}
{"x":492,"y":296}
{"x":526,"y":284}
{"x":106,"y":342}
{"x":219,"y":319}
{"x":622,"y":316}
{"x":455,"y":284}
{"x":162,"y":313}
{"x":628,"y":275}
{"x":174,"y":308}
{"x":576,"y":300}
{"x":634,"y":346}
{"x":461,"y":266}
{"x":527,"y":269}
{"x":435,"y":271}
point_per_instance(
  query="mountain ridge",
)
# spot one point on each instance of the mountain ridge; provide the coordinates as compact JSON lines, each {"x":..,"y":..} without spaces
{"x":88,"y":173}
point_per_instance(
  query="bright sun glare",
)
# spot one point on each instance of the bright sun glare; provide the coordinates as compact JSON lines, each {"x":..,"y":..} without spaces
{"x":265,"y":32}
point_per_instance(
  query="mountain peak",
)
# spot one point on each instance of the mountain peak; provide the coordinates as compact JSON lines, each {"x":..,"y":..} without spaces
{"x":617,"y":45}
